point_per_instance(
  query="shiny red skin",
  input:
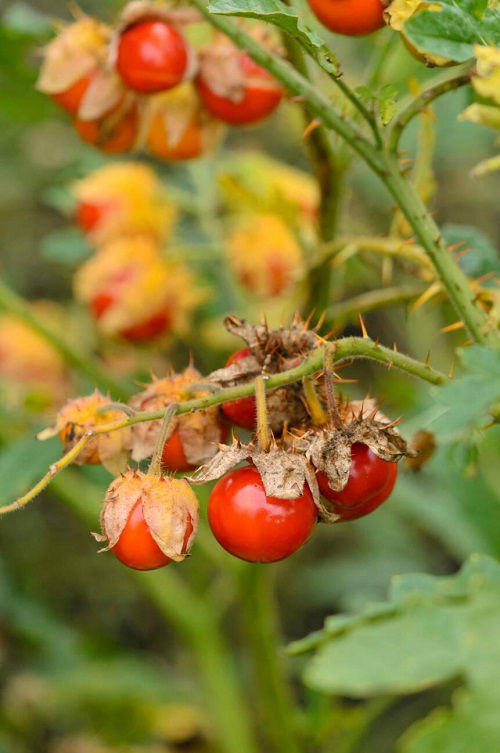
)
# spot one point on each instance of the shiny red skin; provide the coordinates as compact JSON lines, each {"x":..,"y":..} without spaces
{"x":254,"y":527}
{"x":353,"y":18}
{"x":70,"y":99}
{"x":257,"y":103}
{"x":152,"y":56}
{"x":136,"y":547}
{"x":149,"y":329}
{"x":371,"y":480}
{"x":241,"y":412}
{"x":89,"y":214}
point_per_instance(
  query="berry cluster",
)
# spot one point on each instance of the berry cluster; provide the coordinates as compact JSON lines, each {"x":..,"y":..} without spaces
{"x":315,"y":456}
{"x":142,"y":84}
{"x":131,"y":288}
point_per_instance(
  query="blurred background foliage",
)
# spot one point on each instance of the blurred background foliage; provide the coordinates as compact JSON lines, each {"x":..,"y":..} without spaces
{"x":96,"y":659}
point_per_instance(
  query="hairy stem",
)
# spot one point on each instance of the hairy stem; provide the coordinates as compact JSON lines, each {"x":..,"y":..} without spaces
{"x":349,"y":310}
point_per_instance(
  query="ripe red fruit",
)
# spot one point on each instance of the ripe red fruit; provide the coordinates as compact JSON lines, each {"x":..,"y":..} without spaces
{"x":152,"y":56}
{"x":259,"y":99}
{"x":353,"y":18}
{"x":254,"y":527}
{"x":371,"y":480}
{"x":241,"y":412}
{"x":137,"y":548}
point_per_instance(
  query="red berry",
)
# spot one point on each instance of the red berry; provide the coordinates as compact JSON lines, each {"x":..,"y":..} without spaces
{"x":136,"y":547}
{"x":370,"y":482}
{"x":71,"y":98}
{"x":353,"y":18}
{"x":152,"y":56}
{"x":257,"y":103}
{"x":254,"y":527}
{"x":241,"y":412}
{"x":149,"y":329}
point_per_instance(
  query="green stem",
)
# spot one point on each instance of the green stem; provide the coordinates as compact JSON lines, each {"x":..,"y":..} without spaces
{"x":448,"y":81}
{"x":261,"y":623}
{"x":348,"y":310}
{"x":15,"y":304}
{"x":193,"y":618}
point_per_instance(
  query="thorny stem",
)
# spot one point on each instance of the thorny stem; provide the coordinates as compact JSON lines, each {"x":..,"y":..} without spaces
{"x":346,"y":349}
{"x":166,"y":429}
{"x":263,"y":435}
{"x":384,"y":165}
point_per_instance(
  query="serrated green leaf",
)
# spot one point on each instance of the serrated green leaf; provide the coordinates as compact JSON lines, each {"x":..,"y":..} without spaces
{"x":430,"y":630}
{"x":272,"y":11}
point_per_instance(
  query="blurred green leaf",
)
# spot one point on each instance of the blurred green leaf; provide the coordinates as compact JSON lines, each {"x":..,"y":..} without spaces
{"x":460,"y":412}
{"x":482,"y":256}
{"x":24,"y":462}
{"x":68,"y":246}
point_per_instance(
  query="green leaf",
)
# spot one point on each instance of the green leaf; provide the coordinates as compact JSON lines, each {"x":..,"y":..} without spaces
{"x":24,"y":462}
{"x":461,"y":414}
{"x":452,"y":31}
{"x":271,"y":11}
{"x":430,"y":630}
{"x":482,"y":255}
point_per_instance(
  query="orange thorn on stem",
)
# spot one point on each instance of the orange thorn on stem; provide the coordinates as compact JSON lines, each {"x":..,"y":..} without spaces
{"x":452,"y":370}
{"x":452,"y":327}
{"x":428,"y":359}
{"x":310,"y":128}
{"x":363,"y":327}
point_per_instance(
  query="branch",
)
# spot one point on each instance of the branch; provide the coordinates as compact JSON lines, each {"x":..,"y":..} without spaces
{"x":346,"y":349}
{"x":374,"y":299}
{"x":458,"y":76}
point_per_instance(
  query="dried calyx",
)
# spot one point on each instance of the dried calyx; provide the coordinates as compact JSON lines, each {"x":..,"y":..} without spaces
{"x":169,"y":508}
{"x":293,"y":460}
{"x":272,"y":351}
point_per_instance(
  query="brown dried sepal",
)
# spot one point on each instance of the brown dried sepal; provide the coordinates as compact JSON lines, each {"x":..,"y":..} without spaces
{"x":200,"y":431}
{"x":168,"y":505}
{"x":220,"y":67}
{"x":273,"y":351}
{"x":79,"y":416}
{"x":329,"y":450}
{"x":284,"y":473}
